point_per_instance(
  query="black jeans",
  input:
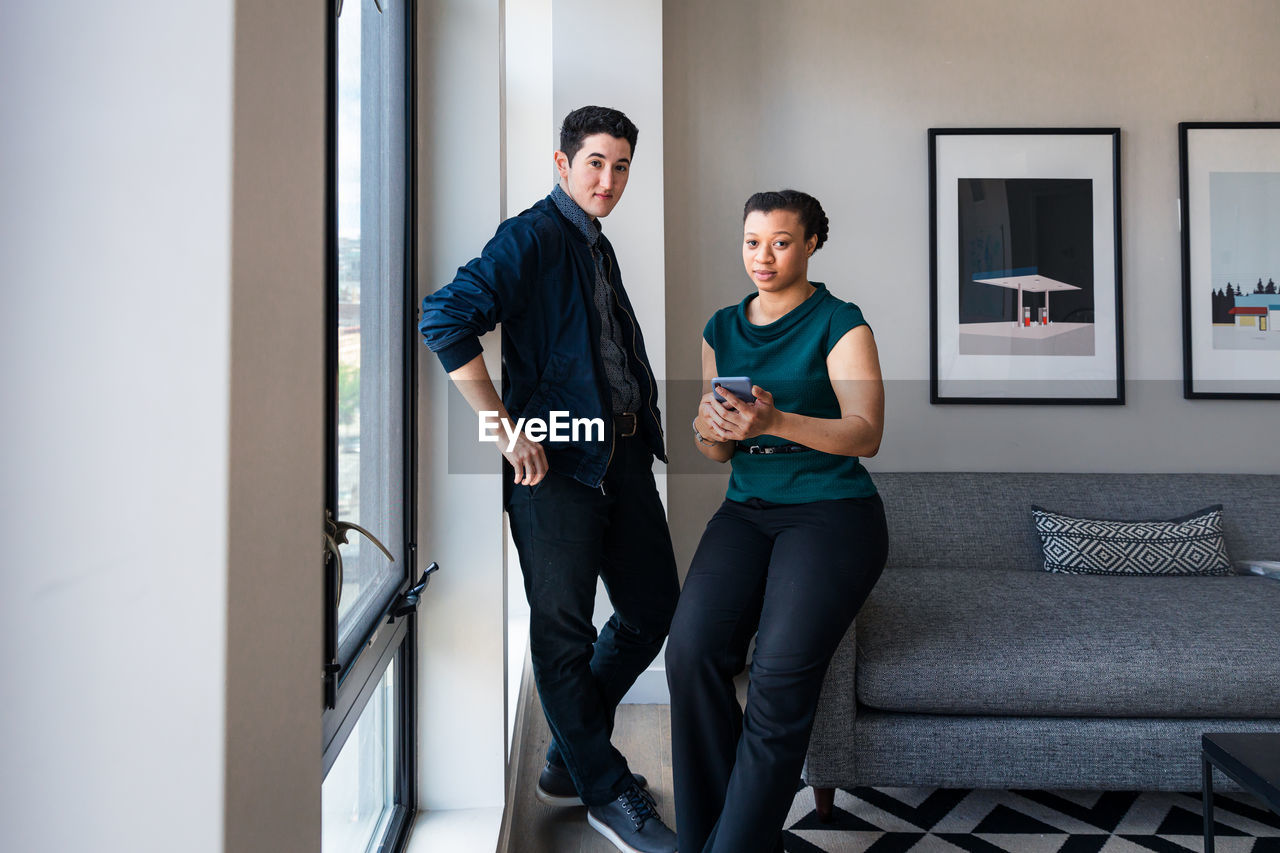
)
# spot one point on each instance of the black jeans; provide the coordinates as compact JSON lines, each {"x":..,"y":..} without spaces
{"x":794,"y":576}
{"x":568,"y":534}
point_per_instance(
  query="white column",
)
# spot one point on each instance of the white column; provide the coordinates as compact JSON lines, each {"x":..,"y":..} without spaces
{"x":461,"y":729}
{"x":531,"y":133}
{"x":610,"y":54}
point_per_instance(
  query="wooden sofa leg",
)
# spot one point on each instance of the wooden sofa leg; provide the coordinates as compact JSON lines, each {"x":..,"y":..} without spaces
{"x":824,"y":800}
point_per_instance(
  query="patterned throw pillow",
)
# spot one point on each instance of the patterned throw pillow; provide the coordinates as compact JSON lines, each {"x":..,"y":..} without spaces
{"x":1191,"y":545}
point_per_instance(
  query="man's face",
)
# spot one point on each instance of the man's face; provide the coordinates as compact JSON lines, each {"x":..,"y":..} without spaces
{"x":598,"y":174}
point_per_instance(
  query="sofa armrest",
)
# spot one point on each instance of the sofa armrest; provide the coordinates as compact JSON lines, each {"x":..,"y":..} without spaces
{"x":831,"y":760}
{"x":1264,"y":568}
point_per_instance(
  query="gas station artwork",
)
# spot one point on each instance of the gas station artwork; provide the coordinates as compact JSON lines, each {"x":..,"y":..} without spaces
{"x":1026,"y":267}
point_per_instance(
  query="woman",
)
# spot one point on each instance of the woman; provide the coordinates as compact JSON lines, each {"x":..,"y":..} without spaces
{"x":794,"y":549}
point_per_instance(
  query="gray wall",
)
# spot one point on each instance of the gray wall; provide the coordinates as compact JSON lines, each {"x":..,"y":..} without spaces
{"x":835,"y":97}
{"x":115,"y":230}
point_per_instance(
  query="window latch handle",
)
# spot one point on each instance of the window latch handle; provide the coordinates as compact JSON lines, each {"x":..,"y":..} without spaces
{"x":340,"y":529}
{"x":331,"y":553}
{"x":408,"y":602}
{"x":335,"y":534}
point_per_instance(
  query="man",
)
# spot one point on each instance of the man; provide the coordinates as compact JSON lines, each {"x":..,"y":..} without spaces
{"x":581,"y":508}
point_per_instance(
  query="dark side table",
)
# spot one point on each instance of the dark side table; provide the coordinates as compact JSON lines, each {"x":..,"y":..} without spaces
{"x":1250,"y":759}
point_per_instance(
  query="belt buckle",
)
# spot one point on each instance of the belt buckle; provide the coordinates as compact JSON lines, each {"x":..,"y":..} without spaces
{"x":630,"y":420}
{"x":756,"y":450}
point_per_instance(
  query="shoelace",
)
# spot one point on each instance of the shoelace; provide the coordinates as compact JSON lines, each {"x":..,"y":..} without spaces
{"x":639,"y":805}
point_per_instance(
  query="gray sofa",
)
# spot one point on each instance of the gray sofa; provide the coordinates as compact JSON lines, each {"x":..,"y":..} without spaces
{"x":969,"y":666}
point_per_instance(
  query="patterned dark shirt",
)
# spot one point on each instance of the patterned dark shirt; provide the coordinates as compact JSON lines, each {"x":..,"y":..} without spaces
{"x":623,"y":387}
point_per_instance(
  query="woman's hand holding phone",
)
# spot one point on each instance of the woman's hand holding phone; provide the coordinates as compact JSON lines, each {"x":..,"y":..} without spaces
{"x":735,"y":419}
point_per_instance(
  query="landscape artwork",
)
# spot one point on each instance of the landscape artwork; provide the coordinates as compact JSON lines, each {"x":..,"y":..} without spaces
{"x":1244,"y":239}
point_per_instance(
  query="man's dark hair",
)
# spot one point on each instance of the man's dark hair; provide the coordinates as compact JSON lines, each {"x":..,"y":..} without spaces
{"x":812,"y":217}
{"x":588,"y":121}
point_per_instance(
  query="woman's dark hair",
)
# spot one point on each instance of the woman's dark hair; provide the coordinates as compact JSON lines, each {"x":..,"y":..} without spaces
{"x":588,"y":121}
{"x":803,"y":205}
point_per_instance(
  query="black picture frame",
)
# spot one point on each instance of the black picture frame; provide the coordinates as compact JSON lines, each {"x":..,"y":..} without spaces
{"x":1229,"y":204}
{"x":1025,"y":209}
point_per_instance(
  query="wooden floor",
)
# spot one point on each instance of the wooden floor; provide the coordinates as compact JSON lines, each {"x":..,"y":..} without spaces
{"x":642,"y":733}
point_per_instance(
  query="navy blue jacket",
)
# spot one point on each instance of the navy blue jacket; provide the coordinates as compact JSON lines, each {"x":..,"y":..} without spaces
{"x":536,"y":277}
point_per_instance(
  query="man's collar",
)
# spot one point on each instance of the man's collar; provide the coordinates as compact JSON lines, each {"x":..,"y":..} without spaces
{"x":589,"y":227}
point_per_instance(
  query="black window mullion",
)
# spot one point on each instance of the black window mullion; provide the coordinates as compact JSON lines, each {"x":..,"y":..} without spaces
{"x":407,"y":766}
{"x":359,"y":672}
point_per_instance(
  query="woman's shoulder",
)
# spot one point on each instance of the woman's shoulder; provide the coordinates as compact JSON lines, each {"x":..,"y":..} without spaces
{"x":842,"y":317}
{"x":841,"y":310}
{"x":847,"y":312}
{"x":720,"y":322}
{"x":726,"y":313}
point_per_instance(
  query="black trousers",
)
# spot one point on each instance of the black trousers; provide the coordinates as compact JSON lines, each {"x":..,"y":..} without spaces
{"x":794,"y":576}
{"x":568,"y":534}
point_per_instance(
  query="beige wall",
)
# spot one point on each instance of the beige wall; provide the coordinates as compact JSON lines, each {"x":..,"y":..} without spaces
{"x":276,"y":494}
{"x":835,"y":97}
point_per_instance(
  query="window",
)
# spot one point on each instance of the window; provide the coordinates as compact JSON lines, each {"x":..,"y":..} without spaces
{"x":359,"y":789}
{"x":370,"y":630}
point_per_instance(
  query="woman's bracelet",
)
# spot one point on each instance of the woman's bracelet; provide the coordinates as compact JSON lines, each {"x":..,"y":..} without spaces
{"x":700,"y":437}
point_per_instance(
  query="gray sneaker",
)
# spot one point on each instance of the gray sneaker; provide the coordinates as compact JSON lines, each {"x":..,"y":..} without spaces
{"x":631,"y":822}
{"x":555,"y":786}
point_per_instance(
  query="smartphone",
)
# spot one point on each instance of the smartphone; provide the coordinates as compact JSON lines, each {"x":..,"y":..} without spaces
{"x":739,"y":386}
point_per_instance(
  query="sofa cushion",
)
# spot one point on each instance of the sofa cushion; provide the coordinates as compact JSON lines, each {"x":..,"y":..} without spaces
{"x":999,"y":642}
{"x":1190,"y":545}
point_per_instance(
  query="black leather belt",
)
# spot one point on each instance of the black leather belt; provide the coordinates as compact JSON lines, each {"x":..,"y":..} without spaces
{"x":625,"y":424}
{"x":763,"y":449}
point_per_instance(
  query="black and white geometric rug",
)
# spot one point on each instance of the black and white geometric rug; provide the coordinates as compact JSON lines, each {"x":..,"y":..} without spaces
{"x":945,"y":820}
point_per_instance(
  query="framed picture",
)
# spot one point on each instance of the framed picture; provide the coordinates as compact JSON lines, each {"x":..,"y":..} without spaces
{"x":1025,"y":266}
{"x":1230,"y":259}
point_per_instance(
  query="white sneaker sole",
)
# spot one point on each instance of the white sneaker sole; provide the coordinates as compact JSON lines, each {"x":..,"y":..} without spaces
{"x":608,"y":833}
{"x":553,"y":800}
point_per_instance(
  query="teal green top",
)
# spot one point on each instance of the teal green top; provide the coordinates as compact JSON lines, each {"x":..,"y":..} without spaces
{"x":788,"y":358}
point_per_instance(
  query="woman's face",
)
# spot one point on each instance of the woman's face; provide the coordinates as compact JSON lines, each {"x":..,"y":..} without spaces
{"x":774,"y":249}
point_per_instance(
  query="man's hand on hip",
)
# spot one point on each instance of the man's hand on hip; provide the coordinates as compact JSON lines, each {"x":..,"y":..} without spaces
{"x":528,"y":459}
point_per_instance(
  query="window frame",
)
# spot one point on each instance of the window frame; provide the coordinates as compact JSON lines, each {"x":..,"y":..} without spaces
{"x":349,"y":685}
